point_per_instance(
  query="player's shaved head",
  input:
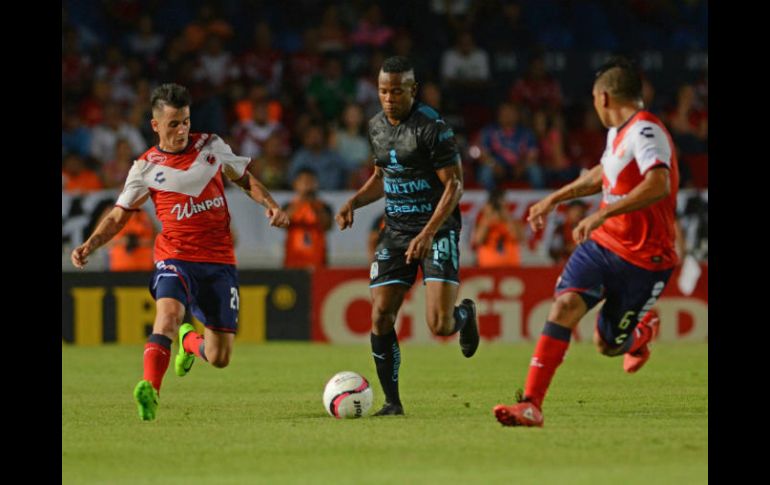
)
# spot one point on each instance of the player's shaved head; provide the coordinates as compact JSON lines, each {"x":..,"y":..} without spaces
{"x":400,"y":65}
{"x":620,"y":79}
{"x":169,"y":94}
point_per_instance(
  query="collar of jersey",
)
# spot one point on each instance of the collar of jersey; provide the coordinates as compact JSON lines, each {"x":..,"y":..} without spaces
{"x":189,"y":142}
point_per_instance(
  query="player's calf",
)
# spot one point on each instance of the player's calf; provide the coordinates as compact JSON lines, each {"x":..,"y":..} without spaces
{"x":441,"y":323}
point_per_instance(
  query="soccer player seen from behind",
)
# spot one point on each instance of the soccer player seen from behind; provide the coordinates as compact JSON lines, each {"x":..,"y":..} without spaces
{"x":194,"y":256}
{"x":417,"y":169}
{"x":625,"y":252}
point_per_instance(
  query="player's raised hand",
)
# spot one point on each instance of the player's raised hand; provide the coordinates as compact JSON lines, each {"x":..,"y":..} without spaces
{"x":585,"y":227}
{"x":80,"y":256}
{"x":538,"y":213}
{"x":278,"y":217}
{"x":344,"y":217}
{"x":419,"y":247}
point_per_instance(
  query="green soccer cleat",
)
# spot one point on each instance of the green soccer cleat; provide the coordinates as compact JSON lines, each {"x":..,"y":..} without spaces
{"x":184,"y":360}
{"x":146,"y":400}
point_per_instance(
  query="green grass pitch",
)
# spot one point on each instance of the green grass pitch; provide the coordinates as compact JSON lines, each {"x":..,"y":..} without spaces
{"x":261,"y":420}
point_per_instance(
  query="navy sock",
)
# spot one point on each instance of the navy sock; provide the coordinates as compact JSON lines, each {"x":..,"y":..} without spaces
{"x":202,"y":350}
{"x":387,"y":358}
{"x":461,"y":315}
{"x":554,"y":330}
{"x":160,"y":339}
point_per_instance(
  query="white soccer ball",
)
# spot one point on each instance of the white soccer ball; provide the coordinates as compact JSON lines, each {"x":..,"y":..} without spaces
{"x":348,"y":395}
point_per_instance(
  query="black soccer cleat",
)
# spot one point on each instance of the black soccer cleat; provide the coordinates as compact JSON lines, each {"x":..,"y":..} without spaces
{"x":390,"y":409}
{"x":469,"y":334}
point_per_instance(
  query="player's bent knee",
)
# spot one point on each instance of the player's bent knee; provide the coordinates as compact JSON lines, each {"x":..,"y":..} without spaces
{"x":167,"y":323}
{"x":382,"y":321}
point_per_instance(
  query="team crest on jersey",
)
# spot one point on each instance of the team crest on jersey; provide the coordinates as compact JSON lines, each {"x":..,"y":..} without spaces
{"x":156,"y":157}
{"x":211,"y":158}
{"x":374,"y":271}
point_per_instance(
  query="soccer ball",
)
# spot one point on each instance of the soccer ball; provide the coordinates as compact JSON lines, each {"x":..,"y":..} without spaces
{"x":348,"y":395}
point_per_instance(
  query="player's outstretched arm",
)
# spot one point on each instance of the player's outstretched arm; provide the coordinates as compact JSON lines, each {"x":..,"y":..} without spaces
{"x":372,"y":190}
{"x":655,"y":186}
{"x":587,"y":184}
{"x":109,"y":226}
{"x":259,"y":193}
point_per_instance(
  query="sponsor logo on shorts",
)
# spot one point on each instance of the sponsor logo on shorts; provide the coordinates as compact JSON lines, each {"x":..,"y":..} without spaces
{"x":374,"y":270}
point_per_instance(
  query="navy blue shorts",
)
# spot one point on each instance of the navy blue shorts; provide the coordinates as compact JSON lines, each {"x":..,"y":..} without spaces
{"x":596,"y":273}
{"x":210,"y":290}
{"x":389,"y":266}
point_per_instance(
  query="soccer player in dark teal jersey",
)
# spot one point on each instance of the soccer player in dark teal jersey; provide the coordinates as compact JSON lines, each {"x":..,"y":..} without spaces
{"x":417,"y":169}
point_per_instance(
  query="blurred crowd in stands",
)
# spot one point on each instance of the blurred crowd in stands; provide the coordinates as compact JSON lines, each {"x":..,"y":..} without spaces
{"x":293,"y":84}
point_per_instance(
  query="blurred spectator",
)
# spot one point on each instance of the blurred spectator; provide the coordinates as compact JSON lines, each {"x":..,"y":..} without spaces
{"x":332,"y":36}
{"x":586,"y":144}
{"x":210,"y":114}
{"x":350,"y":142}
{"x":403,"y":45}
{"x":499,"y":28}
{"x":106,"y":135}
{"x":537,"y":89}
{"x":508,"y":152}
{"x":115,"y":72}
{"x":116,"y":170}
{"x":272,"y":164}
{"x":145,"y":43}
{"x":132,"y":248}
{"x":75,"y":138}
{"x":549,"y":130}
{"x":91,"y":108}
{"x":366,"y":86}
{"x":497,"y":236}
{"x":688,"y":124}
{"x":75,"y":64}
{"x":206,"y":24}
{"x":430,"y":94}
{"x":77,"y":178}
{"x":560,"y":243}
{"x":262,"y":63}
{"x":314,"y":155}
{"x":465,"y":78}
{"x":174,"y":60}
{"x":140,"y":111}
{"x":701,"y":88}
{"x":370,"y":32}
{"x":215,"y":65}
{"x":465,"y":65}
{"x":329,"y":92}
{"x":252,"y":134}
{"x":648,"y":96}
{"x":244,"y":107}
{"x":305,"y":63}
{"x":309,"y":219}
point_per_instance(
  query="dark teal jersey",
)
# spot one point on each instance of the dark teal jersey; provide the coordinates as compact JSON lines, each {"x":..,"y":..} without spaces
{"x":409,"y":155}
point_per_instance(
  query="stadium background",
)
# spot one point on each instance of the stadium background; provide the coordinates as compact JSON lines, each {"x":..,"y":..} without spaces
{"x":114,"y":53}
